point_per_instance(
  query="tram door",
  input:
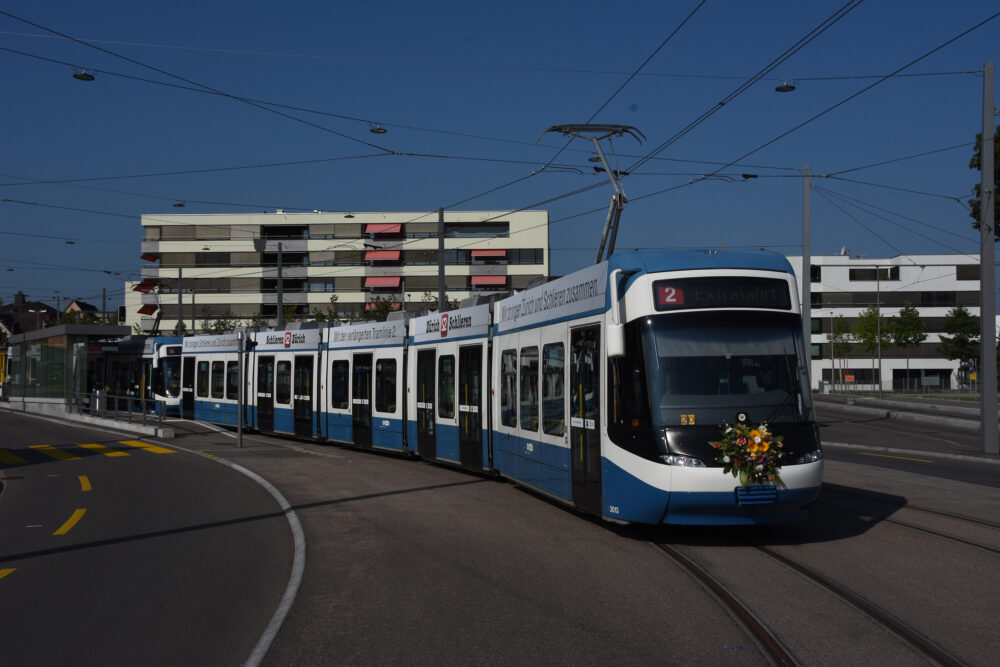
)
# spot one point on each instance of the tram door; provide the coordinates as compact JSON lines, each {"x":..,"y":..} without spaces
{"x":361,"y":404}
{"x":585,"y":424}
{"x":187,"y":388}
{"x":470,"y":423}
{"x":302,"y":396}
{"x":426,"y":440}
{"x":265,"y":397}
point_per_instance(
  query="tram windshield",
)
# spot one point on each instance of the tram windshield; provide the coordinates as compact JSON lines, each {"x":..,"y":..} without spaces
{"x":171,"y":376}
{"x":715,"y":364}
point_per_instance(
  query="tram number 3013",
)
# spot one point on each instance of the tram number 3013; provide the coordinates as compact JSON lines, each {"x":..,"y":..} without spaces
{"x":613,"y":509}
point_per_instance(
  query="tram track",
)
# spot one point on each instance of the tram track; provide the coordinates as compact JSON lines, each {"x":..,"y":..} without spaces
{"x":770,"y":644}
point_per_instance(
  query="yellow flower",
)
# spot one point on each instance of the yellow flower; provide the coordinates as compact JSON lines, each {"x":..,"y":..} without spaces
{"x":764,"y":446}
{"x":752,"y":446}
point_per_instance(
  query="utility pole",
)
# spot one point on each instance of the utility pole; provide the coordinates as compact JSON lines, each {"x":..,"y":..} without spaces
{"x":806,"y":272}
{"x":241,"y":394}
{"x":281,"y":304}
{"x":987,"y":277}
{"x":442,"y":304}
{"x":180,"y":301}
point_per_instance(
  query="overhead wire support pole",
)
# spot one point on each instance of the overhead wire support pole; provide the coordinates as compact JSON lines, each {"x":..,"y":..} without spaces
{"x":987,"y":275}
{"x":610,"y":232}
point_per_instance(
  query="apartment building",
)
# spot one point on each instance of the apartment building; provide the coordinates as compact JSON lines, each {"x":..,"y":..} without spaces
{"x":845,"y":285}
{"x":204,"y":268}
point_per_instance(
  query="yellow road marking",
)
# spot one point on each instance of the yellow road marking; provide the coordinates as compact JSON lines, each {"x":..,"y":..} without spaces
{"x":6,"y":571}
{"x":70,"y":522}
{"x":101,"y":449}
{"x":9,"y":458}
{"x":901,"y":458}
{"x":155,"y":449}
{"x":56,"y":453}
{"x":84,"y":483}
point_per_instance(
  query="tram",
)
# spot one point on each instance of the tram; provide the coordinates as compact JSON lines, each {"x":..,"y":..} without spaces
{"x":603,"y":389}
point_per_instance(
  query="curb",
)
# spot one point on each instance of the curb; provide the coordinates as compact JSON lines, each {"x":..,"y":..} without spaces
{"x":985,"y":458}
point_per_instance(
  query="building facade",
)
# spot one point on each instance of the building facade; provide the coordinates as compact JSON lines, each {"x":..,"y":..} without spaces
{"x":211,"y":268}
{"x":847,"y":286}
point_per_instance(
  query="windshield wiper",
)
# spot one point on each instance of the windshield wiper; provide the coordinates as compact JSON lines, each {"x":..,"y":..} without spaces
{"x":793,"y":393}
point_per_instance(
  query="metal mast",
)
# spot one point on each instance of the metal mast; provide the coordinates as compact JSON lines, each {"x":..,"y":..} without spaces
{"x":595,"y":133}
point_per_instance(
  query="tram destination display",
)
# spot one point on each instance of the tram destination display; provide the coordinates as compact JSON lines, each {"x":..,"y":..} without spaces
{"x":721,"y":292}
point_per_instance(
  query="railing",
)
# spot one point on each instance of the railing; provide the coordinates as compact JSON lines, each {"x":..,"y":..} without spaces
{"x":120,"y":407}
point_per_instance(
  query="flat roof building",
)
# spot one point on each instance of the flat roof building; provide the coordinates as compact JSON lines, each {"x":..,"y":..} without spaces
{"x":225,"y":267}
{"x":847,"y":286}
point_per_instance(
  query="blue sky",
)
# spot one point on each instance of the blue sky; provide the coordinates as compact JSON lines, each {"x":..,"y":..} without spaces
{"x":465,"y":89}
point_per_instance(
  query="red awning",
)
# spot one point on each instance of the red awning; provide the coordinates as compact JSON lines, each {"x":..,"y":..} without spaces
{"x":148,"y":309}
{"x":488,"y":280}
{"x":382,"y":281}
{"x":489,"y":253}
{"x":372,"y":306}
{"x":383,"y":255}
{"x":383,"y":228}
{"x":147,"y":285}
{"x":149,"y":256}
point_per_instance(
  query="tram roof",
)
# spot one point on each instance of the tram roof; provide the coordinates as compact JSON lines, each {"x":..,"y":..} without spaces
{"x":652,"y":261}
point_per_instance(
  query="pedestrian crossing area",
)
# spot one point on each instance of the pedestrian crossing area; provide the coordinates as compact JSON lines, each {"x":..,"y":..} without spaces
{"x":10,"y":456}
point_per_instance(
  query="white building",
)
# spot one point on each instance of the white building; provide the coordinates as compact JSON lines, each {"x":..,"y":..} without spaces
{"x":226,"y":266}
{"x":844,"y":285}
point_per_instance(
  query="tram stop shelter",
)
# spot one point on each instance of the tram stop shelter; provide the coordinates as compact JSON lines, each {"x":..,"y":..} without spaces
{"x":40,"y":365}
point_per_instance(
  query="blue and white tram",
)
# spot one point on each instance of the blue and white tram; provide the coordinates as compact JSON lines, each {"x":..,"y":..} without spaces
{"x":211,"y":378}
{"x":613,"y":381}
{"x":447,"y":386}
{"x":162,"y":366}
{"x":284,"y":389}
{"x":362,"y":400}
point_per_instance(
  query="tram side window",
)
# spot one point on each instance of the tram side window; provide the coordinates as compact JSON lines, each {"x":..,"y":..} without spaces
{"x":385,"y":385}
{"x":233,"y":380}
{"x":508,"y":388}
{"x":529,"y":388}
{"x":218,"y":378}
{"x":283,"y":382}
{"x":553,"y":396}
{"x":446,"y":387}
{"x":340,"y":383}
{"x":201,"y":384}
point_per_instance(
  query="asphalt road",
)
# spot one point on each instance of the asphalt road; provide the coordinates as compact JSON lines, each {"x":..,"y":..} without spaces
{"x":116,"y":554}
{"x":414,"y":563}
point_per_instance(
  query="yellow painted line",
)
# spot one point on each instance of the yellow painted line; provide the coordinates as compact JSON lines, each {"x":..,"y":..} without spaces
{"x":155,"y":449}
{"x":84,"y":483}
{"x":9,"y":458}
{"x":70,"y":522}
{"x":49,"y":450}
{"x":101,"y":449}
{"x":901,"y":458}
{"x":4,"y":572}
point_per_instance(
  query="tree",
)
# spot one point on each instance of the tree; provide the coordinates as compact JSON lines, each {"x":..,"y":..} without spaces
{"x":217,"y":325}
{"x":872,"y":335}
{"x":383,"y":306}
{"x":840,"y":343}
{"x":907,"y":330}
{"x":329,"y":315}
{"x":429,"y":301}
{"x":963,"y":343}
{"x":975,"y":204}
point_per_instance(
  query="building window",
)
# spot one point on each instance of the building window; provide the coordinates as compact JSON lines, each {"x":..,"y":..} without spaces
{"x":967,"y":272}
{"x":874,"y":273}
{"x":815,"y":274}
{"x":476,"y":230}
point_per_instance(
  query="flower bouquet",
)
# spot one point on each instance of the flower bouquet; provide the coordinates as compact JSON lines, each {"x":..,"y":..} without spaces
{"x":751,"y":453}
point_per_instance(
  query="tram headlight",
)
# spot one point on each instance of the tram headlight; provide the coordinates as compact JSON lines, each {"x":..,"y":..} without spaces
{"x":811,"y":457}
{"x":683,"y":461}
